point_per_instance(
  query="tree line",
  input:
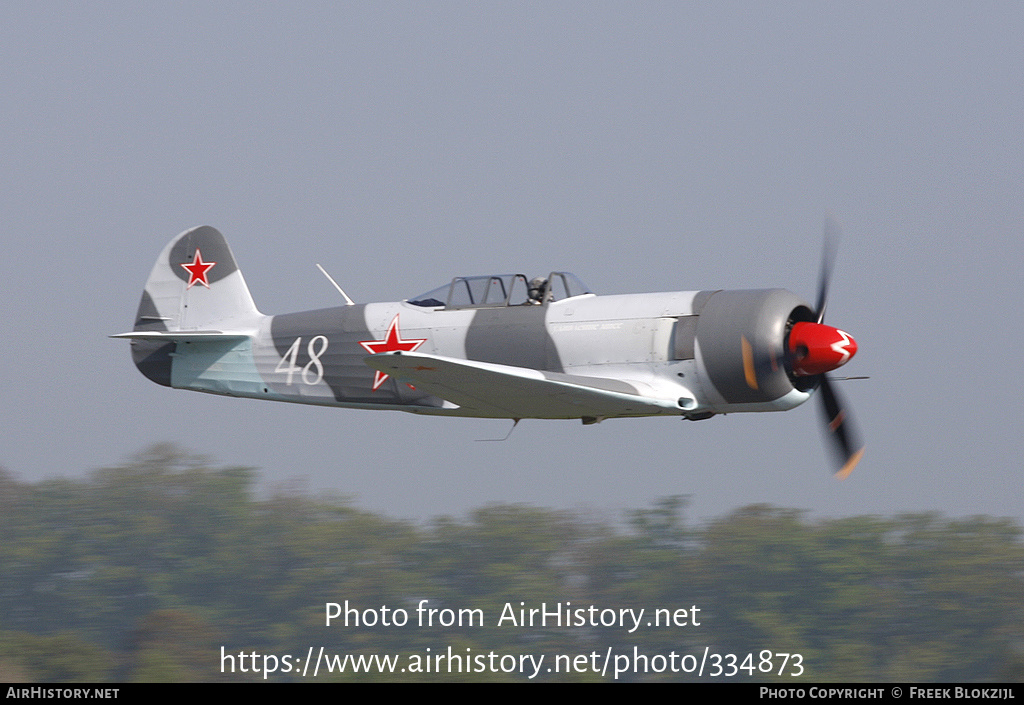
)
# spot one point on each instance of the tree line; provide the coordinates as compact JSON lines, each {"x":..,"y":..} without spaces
{"x":144,"y":571}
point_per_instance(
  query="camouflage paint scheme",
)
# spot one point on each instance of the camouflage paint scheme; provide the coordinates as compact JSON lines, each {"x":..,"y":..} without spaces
{"x":582,"y":356}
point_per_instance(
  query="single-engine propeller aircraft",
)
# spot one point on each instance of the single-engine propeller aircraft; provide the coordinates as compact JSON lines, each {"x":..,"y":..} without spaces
{"x":496,"y":346}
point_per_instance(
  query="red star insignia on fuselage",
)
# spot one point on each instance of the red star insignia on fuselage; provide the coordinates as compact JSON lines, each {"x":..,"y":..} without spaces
{"x":392,"y":342}
{"x":197,"y":270}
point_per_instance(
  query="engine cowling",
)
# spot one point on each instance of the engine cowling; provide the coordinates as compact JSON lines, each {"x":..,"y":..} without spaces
{"x":764,"y":347}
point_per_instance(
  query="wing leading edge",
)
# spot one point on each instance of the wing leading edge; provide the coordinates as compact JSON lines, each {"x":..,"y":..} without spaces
{"x":504,"y":391}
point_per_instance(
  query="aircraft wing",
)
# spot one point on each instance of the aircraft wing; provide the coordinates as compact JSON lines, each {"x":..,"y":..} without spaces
{"x":505,"y":391}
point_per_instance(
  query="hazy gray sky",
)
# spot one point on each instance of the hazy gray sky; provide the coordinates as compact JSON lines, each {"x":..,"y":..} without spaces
{"x":644,"y":146}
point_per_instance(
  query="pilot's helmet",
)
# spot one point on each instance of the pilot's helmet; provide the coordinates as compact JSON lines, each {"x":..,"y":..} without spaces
{"x":537,"y":287}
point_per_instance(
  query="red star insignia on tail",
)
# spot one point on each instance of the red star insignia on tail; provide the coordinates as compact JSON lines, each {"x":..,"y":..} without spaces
{"x":392,"y":342}
{"x":197,"y":270}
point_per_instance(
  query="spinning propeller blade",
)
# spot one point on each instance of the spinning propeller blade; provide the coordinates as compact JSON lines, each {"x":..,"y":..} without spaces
{"x":844,"y":439}
{"x":829,"y":250}
{"x":819,"y":356}
{"x":812,"y":350}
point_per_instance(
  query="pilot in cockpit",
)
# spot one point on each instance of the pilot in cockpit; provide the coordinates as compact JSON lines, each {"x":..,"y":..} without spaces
{"x":536,"y":290}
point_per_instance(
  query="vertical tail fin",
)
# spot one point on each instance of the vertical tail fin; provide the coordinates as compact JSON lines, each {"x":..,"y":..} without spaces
{"x":195,"y":285}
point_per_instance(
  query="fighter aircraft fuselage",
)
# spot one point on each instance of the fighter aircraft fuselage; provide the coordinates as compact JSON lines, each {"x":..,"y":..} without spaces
{"x":494,"y":346}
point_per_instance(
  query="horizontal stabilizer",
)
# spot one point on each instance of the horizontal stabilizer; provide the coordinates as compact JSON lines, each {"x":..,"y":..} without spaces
{"x":180,"y":336}
{"x":505,"y":391}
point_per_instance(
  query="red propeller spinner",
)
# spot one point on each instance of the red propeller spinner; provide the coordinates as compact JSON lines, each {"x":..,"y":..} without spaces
{"x":815,"y":348}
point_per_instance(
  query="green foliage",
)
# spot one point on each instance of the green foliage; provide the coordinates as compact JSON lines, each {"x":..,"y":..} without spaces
{"x":64,"y":656}
{"x":145,"y":570}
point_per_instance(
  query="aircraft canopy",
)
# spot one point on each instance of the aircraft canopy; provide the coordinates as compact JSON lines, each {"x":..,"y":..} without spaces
{"x":499,"y":290}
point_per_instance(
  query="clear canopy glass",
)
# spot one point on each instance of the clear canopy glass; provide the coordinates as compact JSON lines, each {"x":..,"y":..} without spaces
{"x":498,"y":290}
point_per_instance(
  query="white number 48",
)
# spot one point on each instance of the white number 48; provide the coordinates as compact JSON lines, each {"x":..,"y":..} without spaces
{"x":313,"y":371}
